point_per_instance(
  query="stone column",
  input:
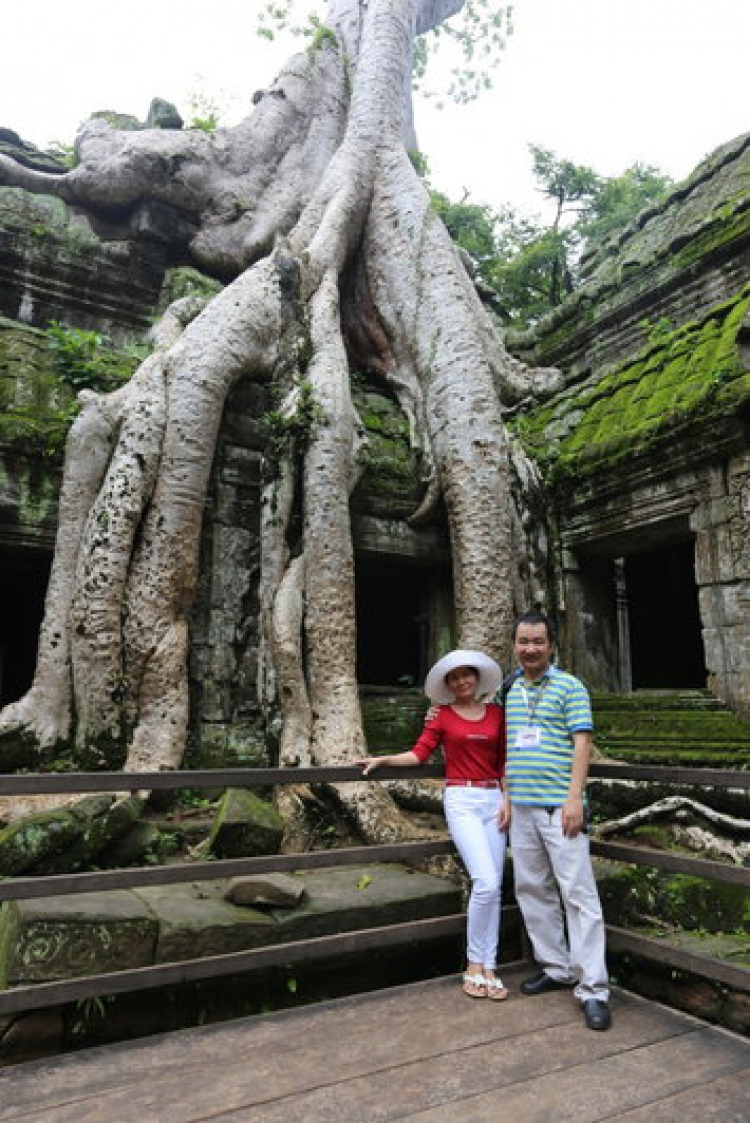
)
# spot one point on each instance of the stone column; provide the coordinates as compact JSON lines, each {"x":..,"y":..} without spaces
{"x":722,"y":526}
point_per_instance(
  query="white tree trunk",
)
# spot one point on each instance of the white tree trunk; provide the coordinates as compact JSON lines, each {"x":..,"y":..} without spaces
{"x":315,"y":179}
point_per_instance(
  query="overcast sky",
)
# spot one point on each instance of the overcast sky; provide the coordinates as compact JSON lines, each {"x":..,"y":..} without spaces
{"x":601,"y":82}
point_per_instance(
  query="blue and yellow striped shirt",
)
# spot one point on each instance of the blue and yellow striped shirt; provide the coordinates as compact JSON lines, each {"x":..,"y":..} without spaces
{"x":559,"y":705}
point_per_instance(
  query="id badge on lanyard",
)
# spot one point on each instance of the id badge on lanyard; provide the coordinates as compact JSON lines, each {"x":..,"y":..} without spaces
{"x":529,"y":736}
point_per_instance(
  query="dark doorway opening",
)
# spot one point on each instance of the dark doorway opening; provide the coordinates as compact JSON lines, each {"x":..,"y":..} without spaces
{"x":392,"y":623}
{"x":23,"y":584}
{"x":664,"y":619}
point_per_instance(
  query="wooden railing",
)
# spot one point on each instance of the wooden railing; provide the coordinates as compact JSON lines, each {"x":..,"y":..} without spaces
{"x":620,"y":939}
{"x":42,"y":995}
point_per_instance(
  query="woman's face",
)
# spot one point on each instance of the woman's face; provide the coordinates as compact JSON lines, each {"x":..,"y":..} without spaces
{"x":462,"y":681}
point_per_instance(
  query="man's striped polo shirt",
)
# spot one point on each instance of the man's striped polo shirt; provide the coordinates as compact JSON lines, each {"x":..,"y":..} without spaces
{"x":559,"y":705}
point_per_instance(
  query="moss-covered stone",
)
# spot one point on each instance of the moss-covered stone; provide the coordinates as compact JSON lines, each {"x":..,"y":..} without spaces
{"x":633,"y":896}
{"x":243,"y":744}
{"x":684,"y":378}
{"x":37,"y":400}
{"x":245,"y":824}
{"x":194,"y":920}
{"x":184,"y":281}
{"x":32,"y":838}
{"x":135,"y":844}
{"x":672,"y":729}
{"x":393,"y":722}
{"x":98,"y":826}
{"x":392,"y":468}
{"x":83,"y":934}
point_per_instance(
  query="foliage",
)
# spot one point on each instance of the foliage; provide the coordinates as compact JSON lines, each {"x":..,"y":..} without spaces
{"x":473,"y":41}
{"x":74,"y":354}
{"x":476,"y":38}
{"x":64,"y":153}
{"x":618,"y":200}
{"x":204,"y":112}
{"x":288,"y":427}
{"x":279,"y":16}
{"x":79,"y":359}
{"x":527,"y":266}
{"x":418,"y":161}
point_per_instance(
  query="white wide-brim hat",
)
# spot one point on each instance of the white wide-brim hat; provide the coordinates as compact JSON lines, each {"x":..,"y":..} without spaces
{"x":490,"y":675}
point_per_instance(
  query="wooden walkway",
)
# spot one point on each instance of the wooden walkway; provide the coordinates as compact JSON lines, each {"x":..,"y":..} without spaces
{"x":419,"y":1052}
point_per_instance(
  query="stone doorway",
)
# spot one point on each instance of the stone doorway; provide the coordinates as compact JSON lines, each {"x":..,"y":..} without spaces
{"x":663,"y":619}
{"x":393,"y":623}
{"x":23,"y":584}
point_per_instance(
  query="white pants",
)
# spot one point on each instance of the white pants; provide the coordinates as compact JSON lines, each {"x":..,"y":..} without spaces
{"x":472,"y":814}
{"x":544,"y":860}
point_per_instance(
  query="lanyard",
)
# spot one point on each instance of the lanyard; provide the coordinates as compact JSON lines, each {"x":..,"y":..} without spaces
{"x":532,"y":708}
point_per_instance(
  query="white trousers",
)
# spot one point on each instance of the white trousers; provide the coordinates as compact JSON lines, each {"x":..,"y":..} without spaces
{"x":472,"y":814}
{"x":545,"y":861}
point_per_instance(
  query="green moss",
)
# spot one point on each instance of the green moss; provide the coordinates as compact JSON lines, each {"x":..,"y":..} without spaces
{"x":633,"y":895}
{"x":391,"y":465}
{"x":723,"y":229}
{"x":393,"y":722}
{"x":713,"y":906}
{"x":186,"y":281}
{"x":322,"y":36}
{"x":40,"y":372}
{"x":683,"y":378}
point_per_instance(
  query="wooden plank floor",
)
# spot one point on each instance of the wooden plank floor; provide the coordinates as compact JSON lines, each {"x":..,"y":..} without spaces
{"x":419,"y":1052}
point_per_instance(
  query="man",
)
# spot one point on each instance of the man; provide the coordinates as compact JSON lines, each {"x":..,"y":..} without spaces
{"x":549,"y":743}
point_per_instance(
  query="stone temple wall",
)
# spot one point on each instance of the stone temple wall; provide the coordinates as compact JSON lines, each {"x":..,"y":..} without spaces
{"x":645,"y":450}
{"x":645,"y":446}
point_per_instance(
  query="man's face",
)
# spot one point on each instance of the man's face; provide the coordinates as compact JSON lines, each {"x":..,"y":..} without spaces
{"x":532,"y":649}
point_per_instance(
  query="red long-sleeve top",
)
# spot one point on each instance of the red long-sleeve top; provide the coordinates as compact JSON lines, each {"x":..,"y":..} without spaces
{"x":474,"y":750}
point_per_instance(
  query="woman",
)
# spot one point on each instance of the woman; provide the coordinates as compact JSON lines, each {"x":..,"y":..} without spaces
{"x":472,"y":734}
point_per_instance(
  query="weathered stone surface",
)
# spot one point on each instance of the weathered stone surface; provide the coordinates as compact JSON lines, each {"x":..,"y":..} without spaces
{"x":11,"y":144}
{"x":365,"y":897}
{"x":277,"y":889}
{"x":98,"y":825}
{"x":685,"y":377}
{"x":130,"y":846}
{"x":635,"y":895}
{"x":194,"y":920}
{"x":163,"y":115}
{"x":31,"y":839}
{"x":393,"y":721}
{"x":245,"y":824}
{"x":107,"y":286}
{"x":63,"y":937}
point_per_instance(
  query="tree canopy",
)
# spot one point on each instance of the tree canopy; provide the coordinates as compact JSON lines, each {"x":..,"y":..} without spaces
{"x":526,"y":265}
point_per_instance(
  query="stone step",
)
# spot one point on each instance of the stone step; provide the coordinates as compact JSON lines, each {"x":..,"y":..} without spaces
{"x":48,"y":938}
{"x":692,"y":757}
{"x":659,"y":700}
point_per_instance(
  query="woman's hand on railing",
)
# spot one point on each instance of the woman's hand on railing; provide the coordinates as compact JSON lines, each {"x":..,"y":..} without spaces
{"x":369,"y":763}
{"x":408,"y":759}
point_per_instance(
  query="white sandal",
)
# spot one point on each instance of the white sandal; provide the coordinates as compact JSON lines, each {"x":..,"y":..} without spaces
{"x":496,"y":990}
{"x":477,"y":981}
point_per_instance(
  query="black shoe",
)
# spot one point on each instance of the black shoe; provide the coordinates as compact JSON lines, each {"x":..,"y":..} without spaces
{"x":597,"y":1014}
{"x":542,"y":982}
